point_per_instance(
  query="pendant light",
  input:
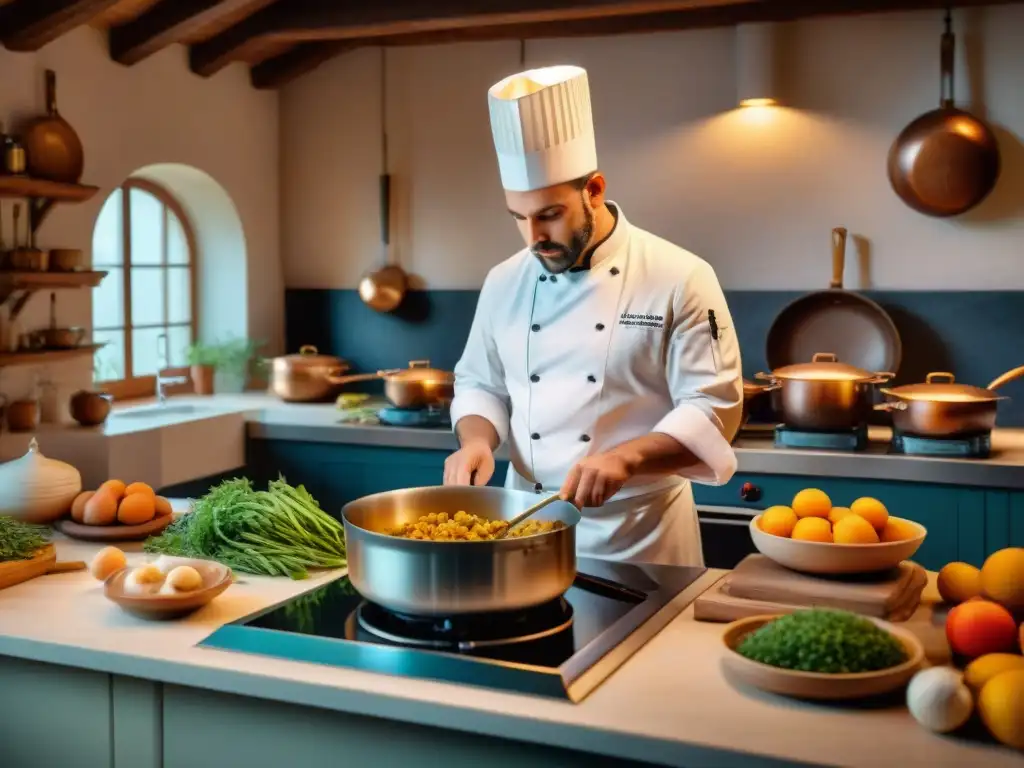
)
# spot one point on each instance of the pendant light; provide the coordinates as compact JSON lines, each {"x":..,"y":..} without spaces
{"x":756,"y":65}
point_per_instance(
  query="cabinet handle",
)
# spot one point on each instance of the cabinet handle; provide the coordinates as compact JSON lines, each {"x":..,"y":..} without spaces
{"x":750,"y":492}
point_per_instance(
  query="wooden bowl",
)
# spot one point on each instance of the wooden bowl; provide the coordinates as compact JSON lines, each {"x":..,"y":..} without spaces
{"x":818,"y":685}
{"x":833,"y":559}
{"x":216,"y":578}
{"x":115,"y":532}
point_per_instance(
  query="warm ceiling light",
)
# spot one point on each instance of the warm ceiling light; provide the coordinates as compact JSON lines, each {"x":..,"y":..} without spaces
{"x":756,"y":65}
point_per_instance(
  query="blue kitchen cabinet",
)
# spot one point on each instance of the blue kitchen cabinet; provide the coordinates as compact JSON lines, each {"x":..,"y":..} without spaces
{"x":336,"y":473}
{"x":963,"y":523}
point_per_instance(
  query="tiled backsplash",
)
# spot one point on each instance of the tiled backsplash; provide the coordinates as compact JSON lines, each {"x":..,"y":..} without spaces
{"x":975,"y":334}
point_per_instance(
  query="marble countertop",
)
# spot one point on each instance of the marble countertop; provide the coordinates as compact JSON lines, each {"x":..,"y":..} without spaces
{"x":669,"y":704}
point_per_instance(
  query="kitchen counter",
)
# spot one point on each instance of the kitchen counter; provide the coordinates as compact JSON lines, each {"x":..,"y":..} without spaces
{"x":668,"y":705}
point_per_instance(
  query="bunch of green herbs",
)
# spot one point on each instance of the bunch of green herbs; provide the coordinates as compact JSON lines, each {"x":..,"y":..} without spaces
{"x":21,"y":541}
{"x":823,"y":640}
{"x":277,"y":532}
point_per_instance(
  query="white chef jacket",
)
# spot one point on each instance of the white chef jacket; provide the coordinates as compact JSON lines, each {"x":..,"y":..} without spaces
{"x":565,"y":366}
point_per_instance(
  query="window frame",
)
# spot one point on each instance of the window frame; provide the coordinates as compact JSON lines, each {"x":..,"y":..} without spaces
{"x":132,"y":387}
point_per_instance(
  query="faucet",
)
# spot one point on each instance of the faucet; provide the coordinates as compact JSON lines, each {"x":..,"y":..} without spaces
{"x":161,"y":380}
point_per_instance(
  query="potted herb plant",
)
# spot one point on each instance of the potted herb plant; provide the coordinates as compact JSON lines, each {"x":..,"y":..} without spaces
{"x":236,"y":363}
{"x":203,"y":361}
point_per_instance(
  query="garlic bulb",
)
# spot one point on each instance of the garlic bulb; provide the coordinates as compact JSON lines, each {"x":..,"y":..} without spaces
{"x":939,"y":700}
{"x":36,"y":489}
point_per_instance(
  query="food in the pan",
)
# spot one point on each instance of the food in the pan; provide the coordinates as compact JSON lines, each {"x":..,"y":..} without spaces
{"x":463,"y":526}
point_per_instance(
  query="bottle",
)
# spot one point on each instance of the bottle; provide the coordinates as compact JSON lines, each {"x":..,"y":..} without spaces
{"x":12,"y":154}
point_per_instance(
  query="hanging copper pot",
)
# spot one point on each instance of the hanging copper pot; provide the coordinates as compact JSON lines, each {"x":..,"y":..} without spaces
{"x":53,"y":149}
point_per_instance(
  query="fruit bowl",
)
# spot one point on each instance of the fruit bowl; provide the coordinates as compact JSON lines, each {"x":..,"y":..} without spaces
{"x":828,"y":558}
{"x":818,"y":685}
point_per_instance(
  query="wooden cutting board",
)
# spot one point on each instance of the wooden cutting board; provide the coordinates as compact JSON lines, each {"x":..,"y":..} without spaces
{"x":758,"y":585}
{"x":16,"y":571}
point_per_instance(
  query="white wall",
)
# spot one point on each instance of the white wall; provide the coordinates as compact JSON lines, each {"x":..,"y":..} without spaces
{"x":756,"y":194}
{"x":130,"y":117}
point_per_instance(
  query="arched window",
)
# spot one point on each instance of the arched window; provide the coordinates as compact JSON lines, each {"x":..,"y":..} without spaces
{"x":144,"y":310}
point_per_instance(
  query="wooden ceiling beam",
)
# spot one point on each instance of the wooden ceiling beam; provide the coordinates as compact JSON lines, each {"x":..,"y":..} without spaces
{"x":168,"y":22}
{"x":210,"y":56}
{"x":28,"y":25}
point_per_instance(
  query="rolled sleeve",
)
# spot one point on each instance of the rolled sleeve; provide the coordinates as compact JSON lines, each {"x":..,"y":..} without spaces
{"x":479,"y":375}
{"x":705,"y":380}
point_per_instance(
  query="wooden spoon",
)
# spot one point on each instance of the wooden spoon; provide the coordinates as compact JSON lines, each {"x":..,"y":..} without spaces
{"x":522,"y":516}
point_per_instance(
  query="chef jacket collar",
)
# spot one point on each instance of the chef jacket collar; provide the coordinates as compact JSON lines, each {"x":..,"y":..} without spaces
{"x":608,"y":251}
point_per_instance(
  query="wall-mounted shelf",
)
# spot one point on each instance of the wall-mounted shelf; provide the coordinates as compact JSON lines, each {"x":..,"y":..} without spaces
{"x":21,"y":285}
{"x":46,"y":355}
{"x":43,"y":194}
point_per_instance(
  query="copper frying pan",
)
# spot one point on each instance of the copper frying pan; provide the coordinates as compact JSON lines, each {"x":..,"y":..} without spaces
{"x":946,"y":161}
{"x":855,"y":328}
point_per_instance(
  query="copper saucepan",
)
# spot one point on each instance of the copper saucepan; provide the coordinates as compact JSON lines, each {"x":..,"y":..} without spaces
{"x":418,"y":386}
{"x":943,"y":408}
{"x":304,"y":377}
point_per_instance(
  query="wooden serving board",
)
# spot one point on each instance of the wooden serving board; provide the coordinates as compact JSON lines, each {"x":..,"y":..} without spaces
{"x":16,"y":571}
{"x":758,"y":586}
{"x":116,"y":532}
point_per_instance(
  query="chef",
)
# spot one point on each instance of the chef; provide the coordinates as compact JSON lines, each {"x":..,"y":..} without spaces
{"x":602,"y":355}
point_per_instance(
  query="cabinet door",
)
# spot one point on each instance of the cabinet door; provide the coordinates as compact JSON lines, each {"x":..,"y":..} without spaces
{"x":54,"y":716}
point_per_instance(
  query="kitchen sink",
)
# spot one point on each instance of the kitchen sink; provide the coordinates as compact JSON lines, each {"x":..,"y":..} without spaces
{"x":156,"y":411}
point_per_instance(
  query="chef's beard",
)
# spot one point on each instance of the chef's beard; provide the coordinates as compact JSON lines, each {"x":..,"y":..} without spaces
{"x":568,"y":255}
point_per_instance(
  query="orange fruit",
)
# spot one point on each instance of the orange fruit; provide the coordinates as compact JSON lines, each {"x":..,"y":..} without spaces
{"x":897,"y":530}
{"x":136,"y":508}
{"x":959,"y":582}
{"x":114,"y":487}
{"x":1002,"y":577}
{"x":838,"y":513}
{"x":78,"y":505}
{"x":100,"y":509}
{"x":1001,"y":707}
{"x":977,"y":627}
{"x":778,"y":521}
{"x":854,"y":529}
{"x":871,"y":510}
{"x":139,"y":488}
{"x":812,"y":529}
{"x":163,"y":507}
{"x":812,"y":502}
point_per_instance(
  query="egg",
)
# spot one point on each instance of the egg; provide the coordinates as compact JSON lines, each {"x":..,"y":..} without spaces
{"x":78,"y":505}
{"x":938,"y":699}
{"x":185,"y":578}
{"x":144,"y":580}
{"x":100,"y":509}
{"x":107,"y":561}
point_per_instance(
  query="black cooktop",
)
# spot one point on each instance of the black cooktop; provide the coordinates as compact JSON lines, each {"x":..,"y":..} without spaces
{"x":564,"y":648}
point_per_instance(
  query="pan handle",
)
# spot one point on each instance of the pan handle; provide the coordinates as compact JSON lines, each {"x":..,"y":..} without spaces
{"x":881,"y":377}
{"x":824,"y":357}
{"x":338,"y":380}
{"x":838,"y":257}
{"x":1007,"y":377}
{"x":892,"y":405}
{"x":765,"y":377}
{"x":947,"y":55}
{"x":939,"y":377}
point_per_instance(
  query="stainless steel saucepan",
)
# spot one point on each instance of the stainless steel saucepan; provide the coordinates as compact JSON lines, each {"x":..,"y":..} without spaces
{"x":449,"y":578}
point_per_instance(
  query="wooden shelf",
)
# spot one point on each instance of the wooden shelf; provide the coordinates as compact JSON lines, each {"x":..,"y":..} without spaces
{"x":27,"y":283}
{"x":42,"y":195}
{"x":24,"y":186}
{"x":46,"y":355}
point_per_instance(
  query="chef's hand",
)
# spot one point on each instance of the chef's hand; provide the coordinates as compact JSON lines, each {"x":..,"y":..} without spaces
{"x":474,"y":457}
{"x":596,"y":479}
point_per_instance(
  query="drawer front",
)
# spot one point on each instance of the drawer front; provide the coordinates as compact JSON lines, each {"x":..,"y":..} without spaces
{"x":935,"y":507}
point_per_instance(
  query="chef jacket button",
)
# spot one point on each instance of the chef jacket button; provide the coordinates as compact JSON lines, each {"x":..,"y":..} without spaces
{"x":535,"y":378}
{"x":553,"y":280}
{"x":543,"y":278}
{"x":614,"y":270}
{"x":535,"y":436}
{"x":585,"y":438}
{"x":538,"y":487}
{"x":600,"y":326}
{"x":534,"y":327}
{"x":591,"y":378}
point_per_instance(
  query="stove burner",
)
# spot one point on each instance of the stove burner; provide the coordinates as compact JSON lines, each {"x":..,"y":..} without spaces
{"x":964,"y":447}
{"x":467,"y":632}
{"x":842,"y":440}
{"x":432,"y":416}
